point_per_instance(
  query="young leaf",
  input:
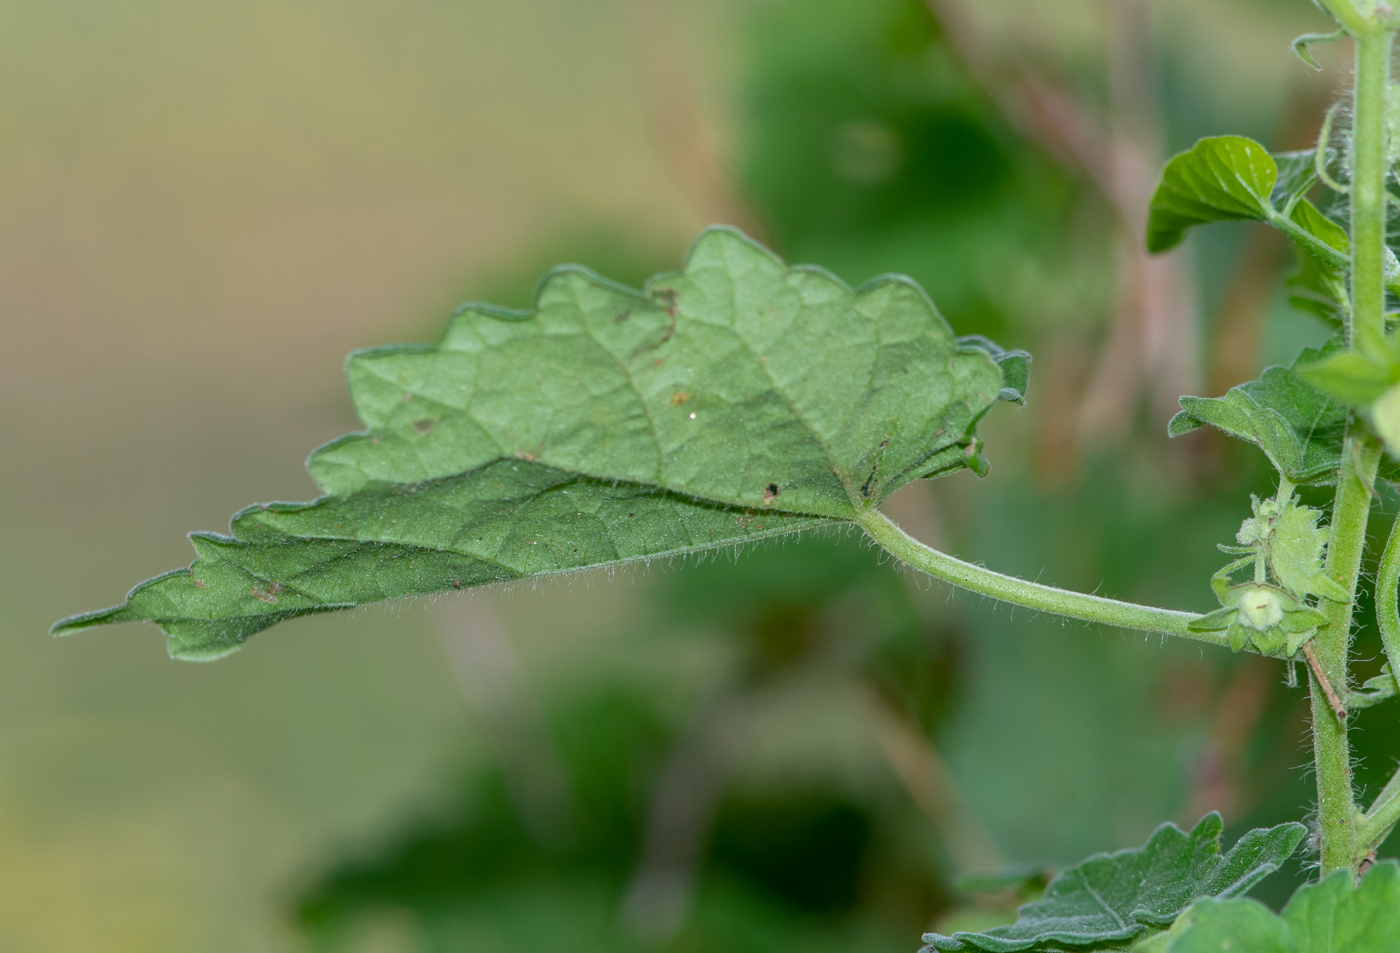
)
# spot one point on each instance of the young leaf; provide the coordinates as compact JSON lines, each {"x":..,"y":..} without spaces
{"x":1299,"y":428}
{"x":1333,"y":916}
{"x":737,"y":398}
{"x":1225,"y":178}
{"x":1110,"y":900}
{"x":1231,"y":178}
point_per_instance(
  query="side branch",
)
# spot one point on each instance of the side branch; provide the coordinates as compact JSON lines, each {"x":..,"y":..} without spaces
{"x":1388,"y":597}
{"x":1032,"y":595}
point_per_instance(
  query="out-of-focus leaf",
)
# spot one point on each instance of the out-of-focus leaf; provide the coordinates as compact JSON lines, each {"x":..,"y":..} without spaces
{"x":1216,"y":926}
{"x":1110,"y":900}
{"x":1382,"y":687}
{"x":1334,"y":916}
{"x":1299,"y":428}
{"x":734,"y":399}
{"x":1350,"y":377}
{"x":1015,"y":367}
{"x":1296,"y":174}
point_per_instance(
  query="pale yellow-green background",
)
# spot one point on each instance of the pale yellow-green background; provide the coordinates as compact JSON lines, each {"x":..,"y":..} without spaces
{"x":202,"y":208}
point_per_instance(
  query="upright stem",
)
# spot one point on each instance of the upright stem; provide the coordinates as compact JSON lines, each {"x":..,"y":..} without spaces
{"x":1338,"y":817}
{"x":1368,"y":213}
{"x":1339,"y":821}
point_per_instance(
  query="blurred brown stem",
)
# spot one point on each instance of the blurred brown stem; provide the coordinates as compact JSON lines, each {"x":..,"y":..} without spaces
{"x":931,"y":785}
{"x":489,"y":671}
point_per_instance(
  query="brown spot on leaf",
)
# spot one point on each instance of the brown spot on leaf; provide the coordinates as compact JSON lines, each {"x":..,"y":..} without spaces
{"x":770,"y":492}
{"x":268,"y":595}
{"x":680,"y":397}
{"x":424,"y":426}
{"x":199,"y":584}
{"x":525,"y":455}
{"x":406,"y":398}
{"x":456,"y":584}
{"x":623,"y":316}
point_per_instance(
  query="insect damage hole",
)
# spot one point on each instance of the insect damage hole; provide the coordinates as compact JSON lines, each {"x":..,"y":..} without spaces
{"x":770,"y":492}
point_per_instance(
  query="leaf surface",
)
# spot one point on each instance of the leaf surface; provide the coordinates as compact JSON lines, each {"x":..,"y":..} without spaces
{"x":735,"y":399}
{"x":1110,"y":900}
{"x":1300,"y":428}
{"x":1333,"y":916}
{"x":1224,"y":178}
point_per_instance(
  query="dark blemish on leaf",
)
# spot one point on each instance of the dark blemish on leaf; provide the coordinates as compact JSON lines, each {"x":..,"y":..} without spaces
{"x":667,"y":296}
{"x":680,"y":397}
{"x":623,"y":316}
{"x":424,"y":426}
{"x":631,"y":514}
{"x":268,"y":595}
{"x":527,"y":456}
{"x":199,"y":583}
{"x":658,"y":362}
{"x":770,"y":493}
{"x":456,"y":584}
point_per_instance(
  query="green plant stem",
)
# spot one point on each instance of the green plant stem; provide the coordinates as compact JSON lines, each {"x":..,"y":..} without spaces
{"x":1031,"y":595}
{"x":1388,"y":597}
{"x":1383,"y":815}
{"x":1368,"y":211}
{"x":1338,"y":817}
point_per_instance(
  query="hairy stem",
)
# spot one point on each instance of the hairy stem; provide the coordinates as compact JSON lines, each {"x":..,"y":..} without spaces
{"x":1031,"y":595}
{"x":1338,"y":816}
{"x":1368,"y":212}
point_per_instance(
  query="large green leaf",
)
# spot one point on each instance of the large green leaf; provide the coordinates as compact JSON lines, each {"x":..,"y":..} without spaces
{"x":737,"y":398}
{"x":1333,"y":916}
{"x":1110,"y":900}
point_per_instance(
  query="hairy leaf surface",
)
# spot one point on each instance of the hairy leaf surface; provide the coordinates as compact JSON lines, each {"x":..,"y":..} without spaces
{"x":1300,"y":428}
{"x":1110,"y":900}
{"x":734,"y":399}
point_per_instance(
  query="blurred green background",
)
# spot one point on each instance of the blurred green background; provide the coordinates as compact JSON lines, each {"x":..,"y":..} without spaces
{"x":202,"y":208}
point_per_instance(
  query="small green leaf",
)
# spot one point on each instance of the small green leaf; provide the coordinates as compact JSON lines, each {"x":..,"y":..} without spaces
{"x":1015,"y":367}
{"x":1299,"y":428}
{"x":1110,"y":900}
{"x":1385,"y":418}
{"x":1301,"y":44}
{"x":1350,"y":377}
{"x":1307,"y":217}
{"x":1225,"y":178}
{"x":1229,"y":926}
{"x":736,"y":399}
{"x":1296,"y":553}
{"x":1334,"y":916}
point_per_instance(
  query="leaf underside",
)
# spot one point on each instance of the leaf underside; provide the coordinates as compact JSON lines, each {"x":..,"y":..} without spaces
{"x":1300,"y":429}
{"x":736,"y":399}
{"x":1334,"y":916}
{"x":1110,"y":900}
